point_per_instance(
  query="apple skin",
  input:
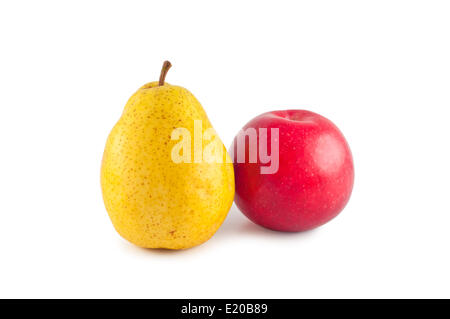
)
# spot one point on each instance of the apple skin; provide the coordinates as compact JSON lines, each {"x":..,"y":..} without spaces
{"x":315,"y":176}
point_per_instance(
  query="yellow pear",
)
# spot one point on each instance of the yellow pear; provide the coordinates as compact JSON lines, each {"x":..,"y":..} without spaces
{"x":166,"y":177}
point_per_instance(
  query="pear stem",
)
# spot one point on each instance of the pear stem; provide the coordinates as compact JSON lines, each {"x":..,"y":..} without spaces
{"x":165,"y":68}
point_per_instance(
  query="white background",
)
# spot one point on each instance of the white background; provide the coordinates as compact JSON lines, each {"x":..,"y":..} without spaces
{"x":380,"y":70}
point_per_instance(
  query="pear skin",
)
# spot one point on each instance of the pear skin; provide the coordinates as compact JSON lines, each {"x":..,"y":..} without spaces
{"x":159,"y":194}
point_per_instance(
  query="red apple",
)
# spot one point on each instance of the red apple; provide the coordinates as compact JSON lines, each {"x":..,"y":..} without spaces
{"x":309,"y":182}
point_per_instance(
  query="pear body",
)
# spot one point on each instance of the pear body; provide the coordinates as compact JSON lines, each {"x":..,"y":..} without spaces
{"x":152,"y":200}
